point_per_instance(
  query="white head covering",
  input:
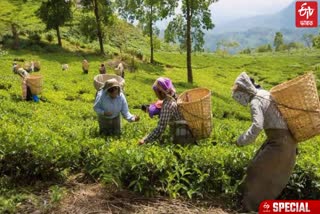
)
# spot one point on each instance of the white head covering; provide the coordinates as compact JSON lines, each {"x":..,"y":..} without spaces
{"x":245,"y":90}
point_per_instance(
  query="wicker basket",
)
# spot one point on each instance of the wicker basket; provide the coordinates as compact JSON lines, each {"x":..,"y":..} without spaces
{"x":195,"y":106}
{"x":35,"y":82}
{"x":100,"y":79}
{"x":298,"y":102}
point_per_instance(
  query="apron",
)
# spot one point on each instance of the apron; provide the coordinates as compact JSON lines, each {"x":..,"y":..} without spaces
{"x":270,"y":169}
{"x":109,"y":126}
{"x":181,"y":133}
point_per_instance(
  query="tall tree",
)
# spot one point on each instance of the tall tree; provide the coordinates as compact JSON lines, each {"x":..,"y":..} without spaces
{"x":103,"y":12}
{"x":175,"y":32}
{"x":55,"y":13}
{"x":226,"y":45}
{"x":147,"y":12}
{"x":278,"y":41}
{"x":308,"y":39}
{"x":18,"y":16}
{"x":316,"y":42}
{"x":195,"y":18}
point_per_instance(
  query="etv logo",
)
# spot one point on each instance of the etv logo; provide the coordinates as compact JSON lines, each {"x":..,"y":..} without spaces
{"x":306,"y":14}
{"x":266,"y":207}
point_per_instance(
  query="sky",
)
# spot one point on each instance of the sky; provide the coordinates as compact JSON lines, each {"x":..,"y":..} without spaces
{"x":227,"y":10}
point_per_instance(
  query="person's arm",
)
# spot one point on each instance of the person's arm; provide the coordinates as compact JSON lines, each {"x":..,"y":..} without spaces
{"x":257,"y":124}
{"x":98,"y":104}
{"x":166,"y":114}
{"x":125,"y":109}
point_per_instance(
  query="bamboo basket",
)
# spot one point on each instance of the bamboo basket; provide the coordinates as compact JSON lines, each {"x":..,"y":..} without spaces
{"x":35,"y":82}
{"x":100,"y":79}
{"x":195,"y":106}
{"x":298,"y":102}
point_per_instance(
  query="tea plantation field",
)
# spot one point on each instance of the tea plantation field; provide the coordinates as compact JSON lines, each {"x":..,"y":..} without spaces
{"x":58,"y":137}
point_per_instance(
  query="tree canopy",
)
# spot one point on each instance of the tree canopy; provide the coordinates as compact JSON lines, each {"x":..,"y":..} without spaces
{"x":189,"y":27}
{"x":55,"y":13}
{"x":147,"y":12}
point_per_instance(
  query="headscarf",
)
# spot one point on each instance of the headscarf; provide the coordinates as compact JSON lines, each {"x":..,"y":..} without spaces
{"x":164,"y":85}
{"x":245,"y":89}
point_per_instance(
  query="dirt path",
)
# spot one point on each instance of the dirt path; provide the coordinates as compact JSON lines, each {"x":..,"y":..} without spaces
{"x":85,"y":197}
{"x":94,"y":198}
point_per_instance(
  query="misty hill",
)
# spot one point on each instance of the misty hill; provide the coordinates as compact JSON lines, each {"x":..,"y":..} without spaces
{"x":258,"y":30}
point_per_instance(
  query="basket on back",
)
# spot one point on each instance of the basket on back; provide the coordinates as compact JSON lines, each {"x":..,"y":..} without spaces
{"x":35,"y":82}
{"x":298,"y":102}
{"x":195,"y":106}
{"x":100,"y":79}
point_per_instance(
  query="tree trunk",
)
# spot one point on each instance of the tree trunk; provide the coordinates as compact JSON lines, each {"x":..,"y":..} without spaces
{"x":15,"y":35}
{"x":188,"y":34}
{"x":59,"y":37}
{"x":96,"y":13}
{"x":151,"y":37}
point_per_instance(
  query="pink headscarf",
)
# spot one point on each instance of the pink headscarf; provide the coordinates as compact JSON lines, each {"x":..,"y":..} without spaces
{"x":165,"y":85}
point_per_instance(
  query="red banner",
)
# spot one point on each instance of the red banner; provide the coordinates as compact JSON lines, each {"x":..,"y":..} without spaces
{"x":290,"y":206}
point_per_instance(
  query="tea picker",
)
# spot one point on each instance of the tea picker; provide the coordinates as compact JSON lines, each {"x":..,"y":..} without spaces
{"x":31,"y":84}
{"x":270,"y":169}
{"x":169,"y":116}
{"x":110,"y":102}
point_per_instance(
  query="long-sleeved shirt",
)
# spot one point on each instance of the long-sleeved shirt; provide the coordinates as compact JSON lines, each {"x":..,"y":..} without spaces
{"x":104,"y":103}
{"x":265,"y":115}
{"x":169,"y":113}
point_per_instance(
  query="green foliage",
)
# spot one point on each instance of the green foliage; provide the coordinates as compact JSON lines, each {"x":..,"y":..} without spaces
{"x":55,"y":13}
{"x":195,"y":18}
{"x":264,"y":48}
{"x":175,"y":31}
{"x":246,"y":51}
{"x":35,"y":37}
{"x":19,"y":13}
{"x":56,"y":194}
{"x":294,"y":45}
{"x":147,"y":13}
{"x":226,"y":45}
{"x":278,"y":41}
{"x":104,"y":9}
{"x":316,"y":42}
{"x":17,"y":17}
{"x":49,"y":37}
{"x":48,"y":140}
{"x":308,"y":38}
{"x":87,"y":27}
{"x":103,"y":12}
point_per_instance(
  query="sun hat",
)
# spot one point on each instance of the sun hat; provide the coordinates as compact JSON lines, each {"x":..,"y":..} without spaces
{"x":110,"y":84}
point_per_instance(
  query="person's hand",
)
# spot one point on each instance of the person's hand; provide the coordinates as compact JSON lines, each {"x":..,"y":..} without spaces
{"x":141,"y":142}
{"x":107,"y":113}
{"x":136,"y":118}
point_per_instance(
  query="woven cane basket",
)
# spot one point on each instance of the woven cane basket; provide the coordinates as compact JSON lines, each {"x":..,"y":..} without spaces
{"x":99,"y":80}
{"x":298,"y":102}
{"x":35,"y":82}
{"x":195,"y":106}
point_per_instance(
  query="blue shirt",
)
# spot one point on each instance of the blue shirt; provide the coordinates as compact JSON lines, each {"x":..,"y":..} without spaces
{"x":104,"y":103}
